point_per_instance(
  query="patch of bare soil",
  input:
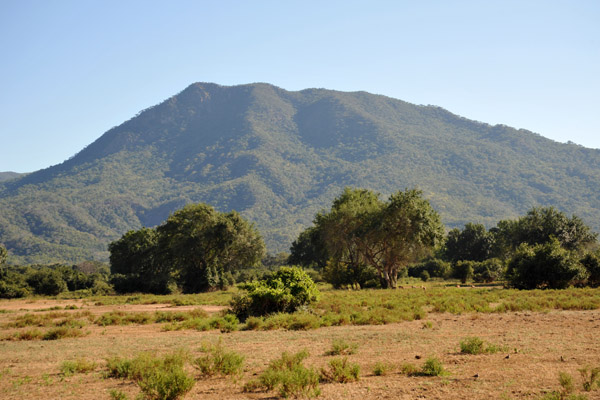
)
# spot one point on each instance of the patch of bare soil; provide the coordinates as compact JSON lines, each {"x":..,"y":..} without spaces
{"x":536,"y":347}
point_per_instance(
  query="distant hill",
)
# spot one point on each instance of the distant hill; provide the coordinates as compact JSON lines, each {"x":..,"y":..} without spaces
{"x":6,"y":176}
{"x":278,"y":157}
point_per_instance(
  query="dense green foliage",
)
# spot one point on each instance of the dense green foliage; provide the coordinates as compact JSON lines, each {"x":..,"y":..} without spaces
{"x":474,"y":243}
{"x":279,"y":157}
{"x":539,"y":226}
{"x":52,"y":280}
{"x":134,"y":265}
{"x":286,"y":290}
{"x":196,"y":248}
{"x":546,"y":265}
{"x":542,"y":249}
{"x":3,"y":254}
{"x":361,"y":233}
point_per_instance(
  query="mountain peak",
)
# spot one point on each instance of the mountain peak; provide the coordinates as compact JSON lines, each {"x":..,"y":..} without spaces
{"x":280,"y":156}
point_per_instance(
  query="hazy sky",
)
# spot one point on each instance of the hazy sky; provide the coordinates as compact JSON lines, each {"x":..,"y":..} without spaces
{"x":71,"y":70}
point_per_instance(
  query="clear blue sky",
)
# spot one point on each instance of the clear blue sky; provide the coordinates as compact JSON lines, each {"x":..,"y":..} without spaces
{"x":71,"y":70}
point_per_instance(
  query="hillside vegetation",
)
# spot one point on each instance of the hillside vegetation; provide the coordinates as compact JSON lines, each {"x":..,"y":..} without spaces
{"x":278,"y":157}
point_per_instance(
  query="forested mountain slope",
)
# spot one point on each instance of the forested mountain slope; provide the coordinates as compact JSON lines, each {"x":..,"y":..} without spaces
{"x":8,"y":175}
{"x":278,"y":157}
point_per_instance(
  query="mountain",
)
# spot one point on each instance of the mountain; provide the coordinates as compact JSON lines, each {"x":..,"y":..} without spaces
{"x":8,"y":175}
{"x":278,"y":157}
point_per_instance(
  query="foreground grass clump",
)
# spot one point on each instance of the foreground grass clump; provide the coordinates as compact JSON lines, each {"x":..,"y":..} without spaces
{"x":432,"y":367}
{"x":341,"y":371}
{"x":62,"y":333}
{"x":158,"y":378}
{"x":475,"y":345}
{"x":591,"y":378}
{"x":381,"y":368}
{"x":219,"y":361}
{"x":340,"y":347}
{"x":566,"y":392}
{"x":289,"y":376}
{"x":80,"y":365}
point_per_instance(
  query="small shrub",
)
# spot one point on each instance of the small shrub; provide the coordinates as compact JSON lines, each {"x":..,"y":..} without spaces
{"x":220,"y":361}
{"x":591,"y":376}
{"x":117,"y":395}
{"x":410,"y":369}
{"x":167,"y":383}
{"x":30,"y":334}
{"x":62,"y":333}
{"x":254,"y":323}
{"x":566,"y":382}
{"x":381,"y":369}
{"x":289,"y":375}
{"x":433,"y":367}
{"x":475,"y":345}
{"x":81,"y":365}
{"x":340,"y":370}
{"x":158,"y":378}
{"x":340,"y":347}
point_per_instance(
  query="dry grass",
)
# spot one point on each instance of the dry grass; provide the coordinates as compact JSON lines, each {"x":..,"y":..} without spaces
{"x":539,"y":345}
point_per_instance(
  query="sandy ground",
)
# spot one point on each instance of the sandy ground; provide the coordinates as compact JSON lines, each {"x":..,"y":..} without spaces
{"x":538,"y":346}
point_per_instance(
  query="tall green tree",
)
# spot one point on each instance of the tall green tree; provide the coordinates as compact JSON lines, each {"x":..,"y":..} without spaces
{"x":473,"y":243}
{"x":202,"y":244}
{"x":135,"y":266}
{"x":362,"y":230}
{"x":405,"y":229}
{"x":542,"y":224}
{"x":309,"y":249}
{"x":343,"y":233}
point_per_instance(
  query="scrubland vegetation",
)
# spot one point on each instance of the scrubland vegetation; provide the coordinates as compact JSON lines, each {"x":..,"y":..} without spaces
{"x":365,"y":265}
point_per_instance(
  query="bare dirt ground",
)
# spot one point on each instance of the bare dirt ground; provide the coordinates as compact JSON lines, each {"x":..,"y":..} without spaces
{"x":537,"y":347}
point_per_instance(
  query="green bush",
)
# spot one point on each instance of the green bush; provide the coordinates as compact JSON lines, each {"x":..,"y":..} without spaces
{"x":591,"y":262}
{"x":285,"y":291}
{"x":46,"y":282}
{"x":464,"y":270}
{"x":341,"y":371}
{"x":381,"y":368}
{"x":158,"y":378}
{"x":219,"y":361}
{"x":475,"y":345}
{"x":288,"y":375}
{"x":546,"y":265}
{"x":488,"y":271}
{"x":81,"y":365}
{"x":62,"y":333}
{"x":433,"y":266}
{"x":10,"y":290}
{"x":168,"y":383}
{"x":341,"y":347}
{"x":591,"y":377}
{"x":117,"y":395}
{"x":433,"y":367}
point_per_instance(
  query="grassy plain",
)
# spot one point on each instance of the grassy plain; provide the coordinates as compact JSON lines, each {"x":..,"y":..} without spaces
{"x":538,"y":334}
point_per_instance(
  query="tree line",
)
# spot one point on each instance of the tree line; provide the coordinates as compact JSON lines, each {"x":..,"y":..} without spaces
{"x":361,"y":241}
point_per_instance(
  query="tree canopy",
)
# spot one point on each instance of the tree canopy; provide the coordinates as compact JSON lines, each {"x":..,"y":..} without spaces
{"x":542,"y":224}
{"x":363,"y":231}
{"x":195,"y":247}
{"x":202,"y":244}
